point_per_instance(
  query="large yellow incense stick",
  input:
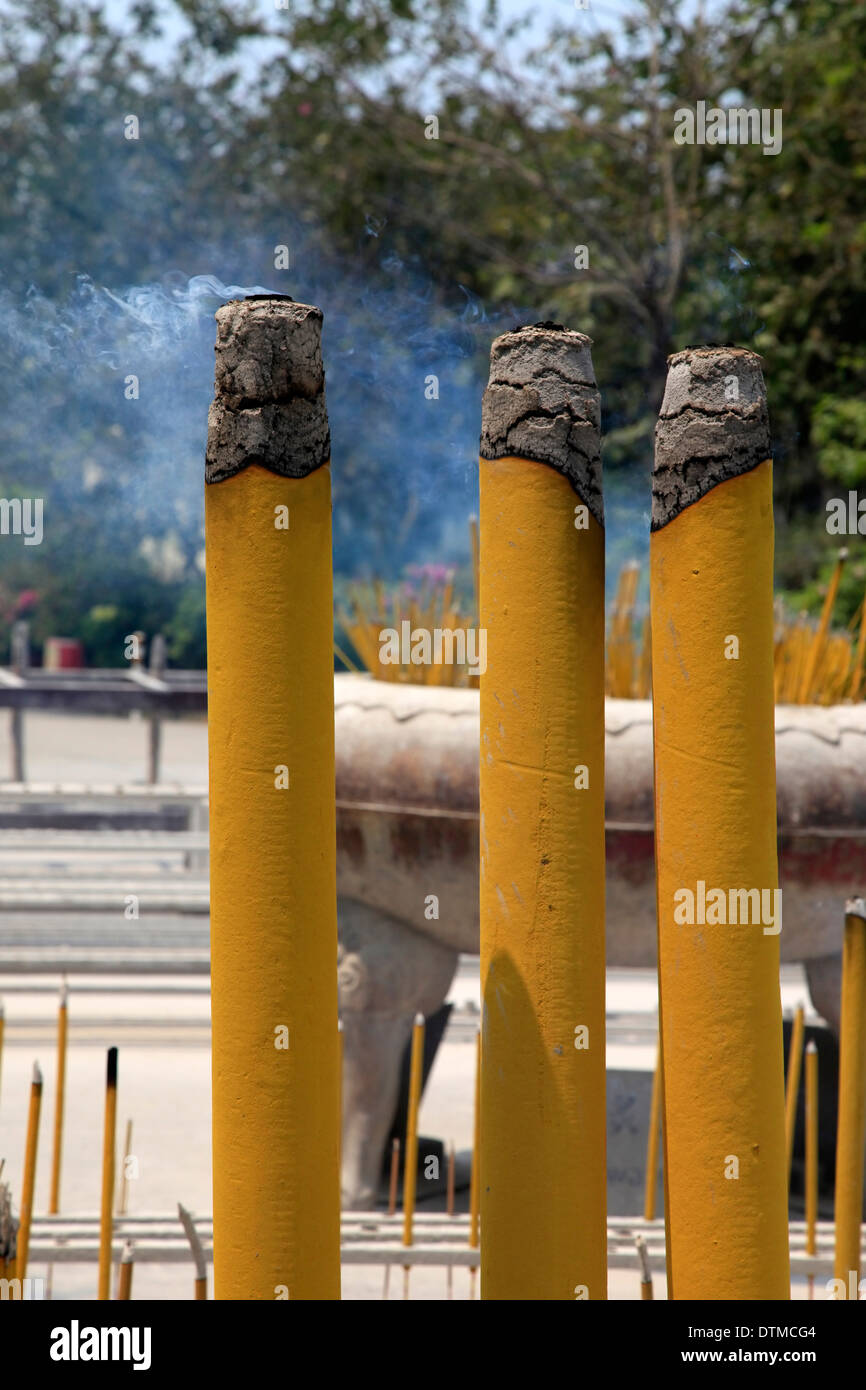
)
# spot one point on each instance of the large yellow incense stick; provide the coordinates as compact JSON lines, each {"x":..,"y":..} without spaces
{"x":543,"y":1191}
{"x":28,"y":1181}
{"x":108,"y":1166}
{"x":792,"y":1085}
{"x":811,"y":1181}
{"x":712,"y":670}
{"x":272,"y":809}
{"x":851,"y":1129}
{"x":410,"y":1164}
{"x":652,"y":1145}
{"x":57,"y":1156}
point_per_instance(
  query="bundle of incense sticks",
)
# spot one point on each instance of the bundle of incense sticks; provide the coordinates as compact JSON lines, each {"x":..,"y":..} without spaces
{"x":427,"y":606}
{"x":813,"y":664}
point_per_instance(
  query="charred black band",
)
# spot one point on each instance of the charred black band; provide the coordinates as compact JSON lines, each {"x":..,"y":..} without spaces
{"x":713,"y":426}
{"x":542,"y":404}
{"x":111,"y":1067}
{"x":269,"y":398}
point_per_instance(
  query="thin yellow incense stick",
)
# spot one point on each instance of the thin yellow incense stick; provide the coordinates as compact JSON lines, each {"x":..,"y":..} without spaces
{"x":851,"y":1133}
{"x":473,"y":532}
{"x":57,"y":1156}
{"x":410,"y":1166}
{"x":652,"y":1146}
{"x":646,"y":1278}
{"x":346,"y":660}
{"x":124,"y":1288}
{"x":792,"y":1090}
{"x":108,"y":1164}
{"x":29,"y":1178}
{"x":811,"y":1155}
{"x":817,"y":647}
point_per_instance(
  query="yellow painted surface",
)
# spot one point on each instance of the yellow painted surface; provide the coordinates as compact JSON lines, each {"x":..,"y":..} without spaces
{"x":273,"y":888}
{"x":543,"y":1194}
{"x":28,"y":1180}
{"x":711,"y":578}
{"x":107,"y":1205}
{"x":851,"y":1132}
{"x":57,"y":1155}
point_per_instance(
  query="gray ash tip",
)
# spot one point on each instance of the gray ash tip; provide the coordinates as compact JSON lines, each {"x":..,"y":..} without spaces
{"x":713,"y":426}
{"x":542,"y":404}
{"x":269,"y":399}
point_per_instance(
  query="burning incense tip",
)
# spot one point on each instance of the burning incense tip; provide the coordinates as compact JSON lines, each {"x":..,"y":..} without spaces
{"x":111,"y":1067}
{"x":269,"y":398}
{"x":419,"y":1020}
{"x":37,"y":1074}
{"x":856,"y":907}
{"x":713,"y":426}
{"x":64,"y":994}
{"x":811,"y":1047}
{"x":127,"y":1256}
{"x":542,"y":404}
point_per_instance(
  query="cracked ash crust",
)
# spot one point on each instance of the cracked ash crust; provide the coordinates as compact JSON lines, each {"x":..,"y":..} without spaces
{"x":702,"y":437}
{"x":269,"y":398}
{"x":542,"y":403}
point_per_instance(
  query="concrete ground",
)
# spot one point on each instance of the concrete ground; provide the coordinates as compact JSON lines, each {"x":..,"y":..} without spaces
{"x":161,"y":1027}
